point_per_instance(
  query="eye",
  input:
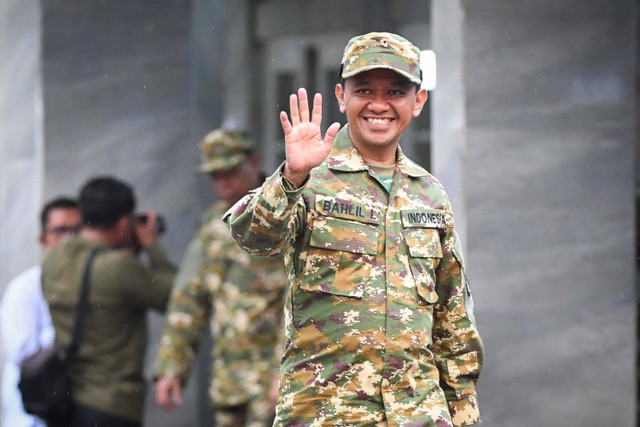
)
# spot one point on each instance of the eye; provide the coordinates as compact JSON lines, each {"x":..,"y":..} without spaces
{"x":362,"y":91}
{"x":397,"y":92}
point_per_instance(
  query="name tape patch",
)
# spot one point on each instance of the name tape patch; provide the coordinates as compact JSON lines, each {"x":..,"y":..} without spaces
{"x":335,"y":206}
{"x":429,"y":218}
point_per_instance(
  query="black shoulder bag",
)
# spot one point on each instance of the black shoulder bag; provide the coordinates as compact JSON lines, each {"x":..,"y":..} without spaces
{"x":44,"y":384}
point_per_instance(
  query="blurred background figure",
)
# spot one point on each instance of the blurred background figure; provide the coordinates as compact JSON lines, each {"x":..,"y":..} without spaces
{"x":25,"y":322}
{"x":106,"y":374}
{"x":241,"y":295}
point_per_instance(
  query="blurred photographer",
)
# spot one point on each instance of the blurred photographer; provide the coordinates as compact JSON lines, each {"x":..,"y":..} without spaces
{"x":107,"y":372}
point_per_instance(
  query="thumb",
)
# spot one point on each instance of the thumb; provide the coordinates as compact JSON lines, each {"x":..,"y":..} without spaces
{"x":331,"y":133}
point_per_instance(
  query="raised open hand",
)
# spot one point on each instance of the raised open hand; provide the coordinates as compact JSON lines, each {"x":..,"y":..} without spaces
{"x":304,"y":145}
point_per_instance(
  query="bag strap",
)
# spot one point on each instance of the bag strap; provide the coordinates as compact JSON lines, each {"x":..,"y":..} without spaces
{"x":81,"y":307}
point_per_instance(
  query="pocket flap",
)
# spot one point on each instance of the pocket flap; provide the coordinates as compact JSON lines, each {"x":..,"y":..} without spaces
{"x":423,"y":242}
{"x":344,"y":235}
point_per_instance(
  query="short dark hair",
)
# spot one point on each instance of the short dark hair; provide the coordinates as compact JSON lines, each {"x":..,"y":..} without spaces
{"x":104,"y":200}
{"x":61,"y":202}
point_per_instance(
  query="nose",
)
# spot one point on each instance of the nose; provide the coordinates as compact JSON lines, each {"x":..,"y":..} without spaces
{"x":378,"y":103}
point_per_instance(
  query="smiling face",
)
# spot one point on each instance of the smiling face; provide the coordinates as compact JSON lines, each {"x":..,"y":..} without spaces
{"x":379,"y":105}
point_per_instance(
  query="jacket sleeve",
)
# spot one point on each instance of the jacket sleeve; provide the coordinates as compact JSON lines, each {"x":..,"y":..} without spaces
{"x":144,"y":286}
{"x":188,"y":311}
{"x":457,"y":346}
{"x":265,"y":220}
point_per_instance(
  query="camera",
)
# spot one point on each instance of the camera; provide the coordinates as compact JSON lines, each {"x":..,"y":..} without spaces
{"x":161,"y":224}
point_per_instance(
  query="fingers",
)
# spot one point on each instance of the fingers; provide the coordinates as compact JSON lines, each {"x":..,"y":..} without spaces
{"x":303,"y":105}
{"x":286,"y":125}
{"x":293,"y":108}
{"x":317,"y":109}
{"x":162,"y":395}
{"x":168,"y":393}
{"x":299,"y":108}
{"x":176,"y":395}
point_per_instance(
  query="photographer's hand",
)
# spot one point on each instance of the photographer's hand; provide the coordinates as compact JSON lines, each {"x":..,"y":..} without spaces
{"x":147,"y":232}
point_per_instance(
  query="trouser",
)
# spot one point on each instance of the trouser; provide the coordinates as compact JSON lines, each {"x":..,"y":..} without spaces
{"x":255,"y":413}
{"x":83,"y":416}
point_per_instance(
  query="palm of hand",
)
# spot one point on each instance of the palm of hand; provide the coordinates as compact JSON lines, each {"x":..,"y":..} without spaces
{"x":305,"y":147}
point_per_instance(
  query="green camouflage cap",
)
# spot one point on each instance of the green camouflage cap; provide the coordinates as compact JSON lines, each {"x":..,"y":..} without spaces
{"x":223,"y":149}
{"x":382,"y":50}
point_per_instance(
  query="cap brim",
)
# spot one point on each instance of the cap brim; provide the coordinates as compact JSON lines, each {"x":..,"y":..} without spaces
{"x":408,"y":76}
{"x":222,"y":166}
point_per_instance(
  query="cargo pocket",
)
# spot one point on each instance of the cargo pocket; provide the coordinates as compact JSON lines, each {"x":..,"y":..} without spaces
{"x":339,"y":257}
{"x":425,"y":253}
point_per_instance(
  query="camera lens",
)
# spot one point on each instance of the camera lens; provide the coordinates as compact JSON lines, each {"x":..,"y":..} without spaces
{"x":161,"y":224}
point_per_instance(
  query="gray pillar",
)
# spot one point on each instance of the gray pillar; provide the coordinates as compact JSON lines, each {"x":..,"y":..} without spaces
{"x":206,"y":46}
{"x":448,"y":117}
{"x":550,"y":132}
{"x":237,"y":66}
{"x":21,"y":146}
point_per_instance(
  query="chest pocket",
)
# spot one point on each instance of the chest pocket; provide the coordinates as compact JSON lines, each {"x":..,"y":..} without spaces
{"x":339,"y":257}
{"x":425,"y":253}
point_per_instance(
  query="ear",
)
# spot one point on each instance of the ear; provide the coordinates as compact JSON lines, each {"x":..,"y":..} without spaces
{"x":123,"y":224}
{"x":42,"y":238}
{"x":340,"y":98}
{"x":255,"y":161}
{"x":421,"y":98}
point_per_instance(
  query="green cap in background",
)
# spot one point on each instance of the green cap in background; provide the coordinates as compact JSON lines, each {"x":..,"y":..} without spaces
{"x":222,"y":149}
{"x":382,"y":50}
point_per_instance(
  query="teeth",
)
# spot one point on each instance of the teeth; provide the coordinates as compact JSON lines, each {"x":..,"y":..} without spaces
{"x":378,"y":121}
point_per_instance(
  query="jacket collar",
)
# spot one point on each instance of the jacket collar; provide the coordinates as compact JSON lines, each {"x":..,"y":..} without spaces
{"x":346,"y":158}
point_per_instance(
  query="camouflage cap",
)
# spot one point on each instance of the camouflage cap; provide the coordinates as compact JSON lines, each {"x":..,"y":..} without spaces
{"x":382,"y":50}
{"x":222,"y":149}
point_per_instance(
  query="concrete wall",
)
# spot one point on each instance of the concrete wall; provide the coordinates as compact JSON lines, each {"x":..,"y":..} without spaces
{"x":21,"y":145}
{"x":448,"y":111}
{"x":118,"y":101}
{"x":549,"y":185}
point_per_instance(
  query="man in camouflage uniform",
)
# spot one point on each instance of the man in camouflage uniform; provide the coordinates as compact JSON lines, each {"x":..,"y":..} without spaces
{"x":379,"y":320}
{"x":242,"y":295}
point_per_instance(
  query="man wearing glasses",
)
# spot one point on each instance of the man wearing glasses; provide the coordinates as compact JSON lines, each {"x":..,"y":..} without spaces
{"x":25,"y":322}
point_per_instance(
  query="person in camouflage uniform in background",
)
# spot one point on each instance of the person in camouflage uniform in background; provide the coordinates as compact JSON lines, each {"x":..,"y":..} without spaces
{"x":379,"y":322}
{"x":242,"y":295}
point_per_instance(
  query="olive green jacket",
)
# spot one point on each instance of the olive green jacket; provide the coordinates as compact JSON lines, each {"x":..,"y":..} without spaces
{"x":107,"y":373}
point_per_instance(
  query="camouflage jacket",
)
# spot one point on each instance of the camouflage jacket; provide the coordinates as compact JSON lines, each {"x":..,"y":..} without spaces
{"x":243,"y":297}
{"x":379,"y":319}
